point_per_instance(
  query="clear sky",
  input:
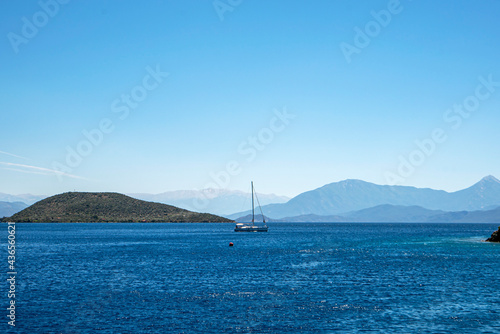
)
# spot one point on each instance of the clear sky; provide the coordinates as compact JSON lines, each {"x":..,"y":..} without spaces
{"x":154,"y":96}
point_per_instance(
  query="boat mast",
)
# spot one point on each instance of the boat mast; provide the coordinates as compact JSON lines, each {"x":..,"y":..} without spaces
{"x":260,"y":208}
{"x":253,"y":211}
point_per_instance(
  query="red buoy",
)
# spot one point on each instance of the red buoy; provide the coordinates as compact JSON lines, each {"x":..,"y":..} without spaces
{"x":230,"y":244}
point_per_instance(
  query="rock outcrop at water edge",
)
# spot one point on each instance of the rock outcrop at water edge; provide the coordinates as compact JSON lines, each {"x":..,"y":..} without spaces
{"x":495,"y":236}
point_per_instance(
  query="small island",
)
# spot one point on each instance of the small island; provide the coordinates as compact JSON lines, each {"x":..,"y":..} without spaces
{"x":495,"y":236}
{"x":86,"y":207}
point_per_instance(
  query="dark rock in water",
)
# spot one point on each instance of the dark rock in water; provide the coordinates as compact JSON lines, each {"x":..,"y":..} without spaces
{"x":495,"y":237}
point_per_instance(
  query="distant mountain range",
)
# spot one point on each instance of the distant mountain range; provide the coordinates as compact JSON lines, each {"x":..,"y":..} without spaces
{"x":392,"y":214}
{"x":9,"y":208}
{"x":346,"y":198}
{"x":25,"y":198}
{"x":217,"y":201}
{"x":344,"y":201}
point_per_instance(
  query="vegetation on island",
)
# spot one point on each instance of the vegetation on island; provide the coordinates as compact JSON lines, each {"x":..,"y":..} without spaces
{"x":106,"y":207}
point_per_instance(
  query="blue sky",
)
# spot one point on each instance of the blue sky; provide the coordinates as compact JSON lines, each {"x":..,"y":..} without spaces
{"x":168,"y":95}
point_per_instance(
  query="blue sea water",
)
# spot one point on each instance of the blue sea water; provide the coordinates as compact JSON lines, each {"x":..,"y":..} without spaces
{"x":297,"y":278}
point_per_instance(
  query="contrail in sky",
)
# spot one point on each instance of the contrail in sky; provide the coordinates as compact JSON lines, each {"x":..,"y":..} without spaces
{"x":13,"y":155}
{"x":38,"y":170}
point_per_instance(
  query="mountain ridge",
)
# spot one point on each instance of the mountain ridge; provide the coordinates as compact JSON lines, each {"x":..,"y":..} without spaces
{"x":353,"y":195}
{"x":217,"y":201}
{"x":387,"y":213}
{"x":28,"y":199}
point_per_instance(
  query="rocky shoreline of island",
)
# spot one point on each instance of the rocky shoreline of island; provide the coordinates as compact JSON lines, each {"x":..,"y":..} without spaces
{"x":495,"y":236}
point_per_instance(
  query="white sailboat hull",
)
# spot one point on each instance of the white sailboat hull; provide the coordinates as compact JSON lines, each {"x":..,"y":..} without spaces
{"x":241,"y":227}
{"x":250,"y":228}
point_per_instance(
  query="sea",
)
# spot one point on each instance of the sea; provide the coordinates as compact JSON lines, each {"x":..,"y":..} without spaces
{"x":297,"y":278}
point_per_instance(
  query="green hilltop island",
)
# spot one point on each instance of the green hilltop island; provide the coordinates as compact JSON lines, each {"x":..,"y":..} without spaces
{"x":86,"y":207}
{"x":495,"y":236}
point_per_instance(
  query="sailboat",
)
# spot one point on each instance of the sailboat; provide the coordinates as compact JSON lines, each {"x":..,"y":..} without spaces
{"x":242,"y":227}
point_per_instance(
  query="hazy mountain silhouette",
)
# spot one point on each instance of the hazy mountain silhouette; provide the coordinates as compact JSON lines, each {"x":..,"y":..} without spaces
{"x":7,"y":209}
{"x":354,"y":195}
